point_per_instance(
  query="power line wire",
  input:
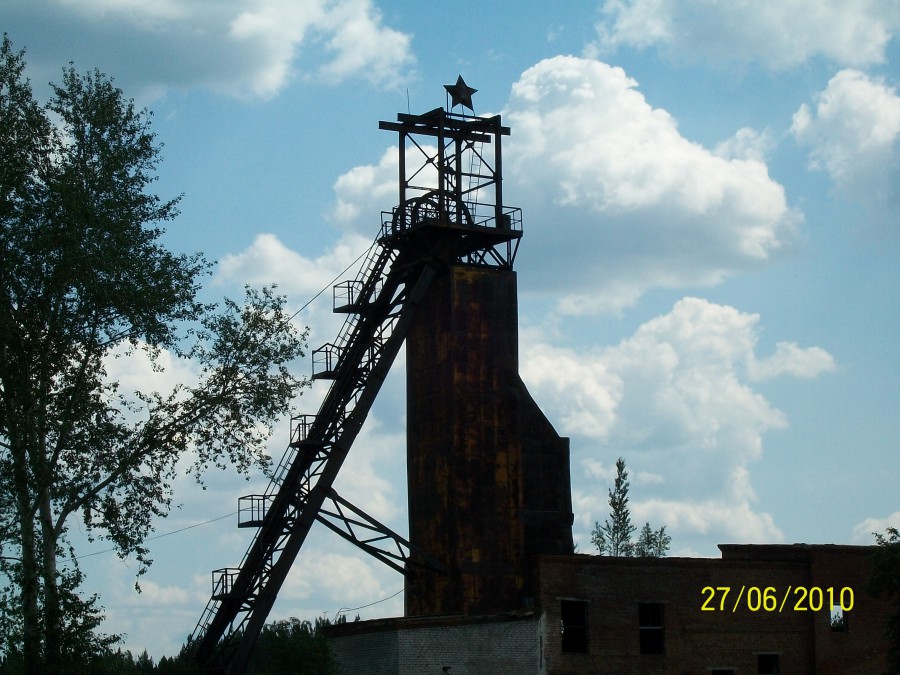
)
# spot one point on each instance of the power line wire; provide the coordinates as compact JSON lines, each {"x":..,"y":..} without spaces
{"x":331,"y":283}
{"x":160,"y":536}
{"x":344,"y":610}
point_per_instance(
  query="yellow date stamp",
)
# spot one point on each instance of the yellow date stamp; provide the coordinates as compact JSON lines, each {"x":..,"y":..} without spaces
{"x":772,"y":599}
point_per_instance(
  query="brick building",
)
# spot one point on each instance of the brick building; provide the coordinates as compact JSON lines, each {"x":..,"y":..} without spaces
{"x":598,"y":614}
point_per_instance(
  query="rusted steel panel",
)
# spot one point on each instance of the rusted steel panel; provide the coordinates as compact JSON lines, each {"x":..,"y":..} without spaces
{"x":488,"y":476}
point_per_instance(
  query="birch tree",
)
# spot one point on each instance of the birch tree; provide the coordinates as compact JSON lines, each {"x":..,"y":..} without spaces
{"x":84,"y":278}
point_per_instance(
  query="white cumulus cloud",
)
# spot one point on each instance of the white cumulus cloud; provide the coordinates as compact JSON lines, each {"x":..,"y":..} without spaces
{"x":852,"y":133}
{"x":268,"y":261}
{"x":616,"y":201}
{"x":361,"y":44}
{"x":777,"y":33}
{"x":308,"y":282}
{"x":365,"y":191}
{"x":863,"y":533}
{"x":675,"y":399}
{"x":746,"y":143}
{"x":245,"y":48}
{"x":789,"y":359}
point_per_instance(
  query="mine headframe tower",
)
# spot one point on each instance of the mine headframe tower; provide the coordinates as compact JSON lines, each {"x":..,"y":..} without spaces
{"x":450,"y":211}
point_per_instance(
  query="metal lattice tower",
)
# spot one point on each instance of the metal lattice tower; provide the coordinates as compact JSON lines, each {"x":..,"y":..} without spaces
{"x":450,"y":212}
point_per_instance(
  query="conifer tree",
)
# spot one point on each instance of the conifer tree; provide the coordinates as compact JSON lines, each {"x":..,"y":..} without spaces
{"x":652,"y":543}
{"x":613,"y":537}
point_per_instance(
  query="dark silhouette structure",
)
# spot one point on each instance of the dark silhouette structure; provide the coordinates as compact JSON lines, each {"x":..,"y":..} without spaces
{"x":488,"y":475}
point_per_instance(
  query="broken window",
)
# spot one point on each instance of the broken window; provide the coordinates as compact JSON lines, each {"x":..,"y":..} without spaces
{"x":650,"y":620}
{"x":573,"y":625}
{"x":838,"y":619}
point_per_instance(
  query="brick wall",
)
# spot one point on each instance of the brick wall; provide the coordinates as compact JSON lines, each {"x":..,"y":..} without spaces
{"x":732,"y":635}
{"x":859,"y":649}
{"x":374,"y":653}
{"x":735,"y":631}
{"x":510,"y":648}
{"x":454,"y":645}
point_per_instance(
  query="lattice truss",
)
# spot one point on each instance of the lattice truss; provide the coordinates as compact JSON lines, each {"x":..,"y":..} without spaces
{"x":439,"y":221}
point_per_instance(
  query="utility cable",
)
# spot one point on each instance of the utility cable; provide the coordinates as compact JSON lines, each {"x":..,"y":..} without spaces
{"x":331,"y":283}
{"x":344,"y":610}
{"x":160,"y":536}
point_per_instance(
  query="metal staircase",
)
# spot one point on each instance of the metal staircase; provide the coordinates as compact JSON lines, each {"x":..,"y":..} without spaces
{"x":429,"y":230}
{"x":383,"y":302}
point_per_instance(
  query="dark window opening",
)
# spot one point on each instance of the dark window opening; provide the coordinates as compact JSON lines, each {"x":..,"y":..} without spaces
{"x":650,"y":621}
{"x":573,"y":625}
{"x":768,"y":664}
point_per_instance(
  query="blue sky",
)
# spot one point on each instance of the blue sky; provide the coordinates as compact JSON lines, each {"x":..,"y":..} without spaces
{"x":708,"y":278}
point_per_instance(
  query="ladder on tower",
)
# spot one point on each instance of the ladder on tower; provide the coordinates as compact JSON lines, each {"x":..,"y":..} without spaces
{"x":380,"y":304}
{"x":474,"y":175}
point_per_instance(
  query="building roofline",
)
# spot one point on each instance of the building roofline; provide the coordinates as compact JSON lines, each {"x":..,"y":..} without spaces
{"x":398,"y":623}
{"x":789,"y":552}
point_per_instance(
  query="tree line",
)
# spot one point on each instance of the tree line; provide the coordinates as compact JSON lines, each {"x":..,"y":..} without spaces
{"x":288,"y":647}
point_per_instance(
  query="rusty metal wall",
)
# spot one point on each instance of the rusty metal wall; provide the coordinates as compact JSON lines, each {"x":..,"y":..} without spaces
{"x":488,"y":476}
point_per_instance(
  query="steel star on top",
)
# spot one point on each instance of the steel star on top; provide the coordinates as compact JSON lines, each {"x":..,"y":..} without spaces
{"x":460,"y":93}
